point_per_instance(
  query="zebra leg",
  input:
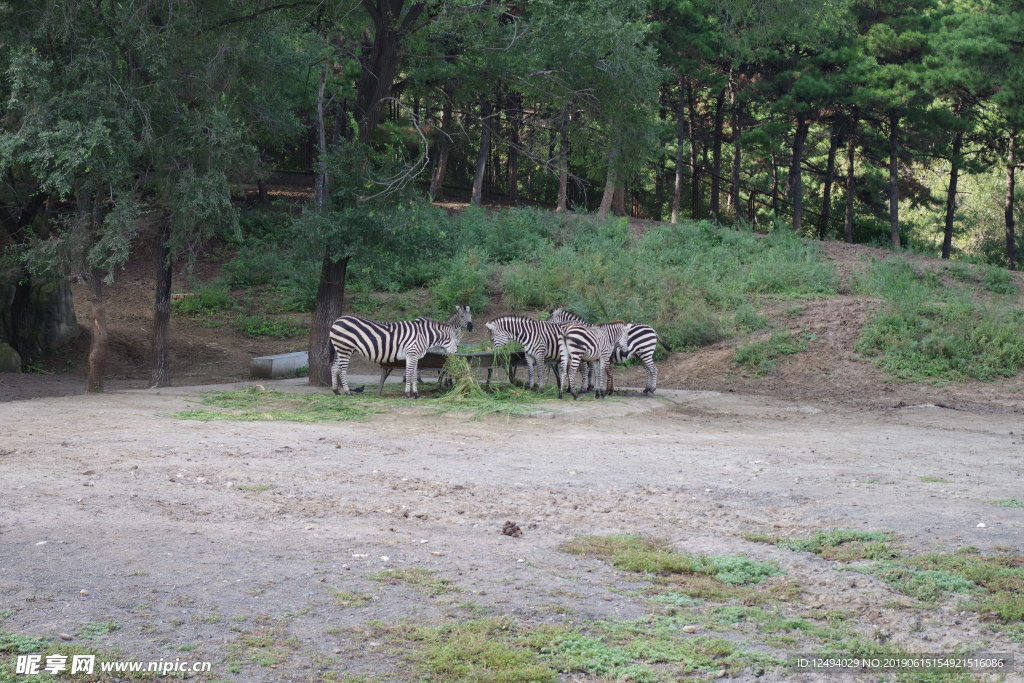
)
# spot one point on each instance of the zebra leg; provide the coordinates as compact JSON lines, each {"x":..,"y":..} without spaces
{"x":601,"y":378}
{"x":574,"y":365}
{"x":339,"y":372}
{"x":529,"y":371}
{"x":589,"y":374}
{"x":411,"y":374}
{"x":542,"y":371}
{"x":652,"y":373}
{"x":609,"y":384}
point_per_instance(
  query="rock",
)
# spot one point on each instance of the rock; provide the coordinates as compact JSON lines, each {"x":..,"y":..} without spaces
{"x":689,"y":628}
{"x":10,"y":360}
{"x":84,"y":593}
{"x":65,"y":636}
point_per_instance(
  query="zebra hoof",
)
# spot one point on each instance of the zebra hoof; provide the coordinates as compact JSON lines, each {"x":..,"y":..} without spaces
{"x":336,"y":392}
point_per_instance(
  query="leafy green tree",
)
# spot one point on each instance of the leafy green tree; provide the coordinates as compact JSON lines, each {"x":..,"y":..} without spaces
{"x":133,"y":117}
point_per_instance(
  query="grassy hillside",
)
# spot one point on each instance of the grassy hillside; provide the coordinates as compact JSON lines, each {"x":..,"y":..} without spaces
{"x":698,"y":284}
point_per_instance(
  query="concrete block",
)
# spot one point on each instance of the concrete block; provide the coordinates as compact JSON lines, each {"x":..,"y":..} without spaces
{"x":280,"y":365}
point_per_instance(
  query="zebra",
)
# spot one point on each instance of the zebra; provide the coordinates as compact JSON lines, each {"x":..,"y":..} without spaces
{"x":385,"y":343}
{"x":640,"y":341}
{"x":585,"y":343}
{"x":540,"y":340}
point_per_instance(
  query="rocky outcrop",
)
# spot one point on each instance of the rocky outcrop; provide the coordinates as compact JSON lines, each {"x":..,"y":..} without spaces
{"x":36,"y":316}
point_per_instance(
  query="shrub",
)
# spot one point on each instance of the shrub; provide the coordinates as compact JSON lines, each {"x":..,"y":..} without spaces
{"x":205,"y":300}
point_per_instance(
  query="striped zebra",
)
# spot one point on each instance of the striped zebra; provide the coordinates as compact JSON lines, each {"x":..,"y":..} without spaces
{"x":585,"y":343}
{"x":640,"y":341}
{"x":540,"y":340}
{"x":387,"y":343}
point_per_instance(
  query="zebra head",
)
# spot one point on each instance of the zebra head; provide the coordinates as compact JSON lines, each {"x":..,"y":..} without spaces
{"x":462,"y":318}
{"x":622,"y":343}
{"x":499,"y":335}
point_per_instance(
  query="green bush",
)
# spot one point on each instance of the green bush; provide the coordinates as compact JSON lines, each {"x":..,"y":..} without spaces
{"x":205,"y":300}
{"x":261,"y":326}
{"x":256,"y":263}
{"x":464,"y":282}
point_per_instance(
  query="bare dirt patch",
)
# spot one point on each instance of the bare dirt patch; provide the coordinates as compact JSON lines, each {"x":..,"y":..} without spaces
{"x":199,"y":539}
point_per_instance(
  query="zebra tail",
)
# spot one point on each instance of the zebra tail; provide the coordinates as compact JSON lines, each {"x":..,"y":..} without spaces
{"x":666,"y":346}
{"x":331,"y":353}
{"x":563,"y":371}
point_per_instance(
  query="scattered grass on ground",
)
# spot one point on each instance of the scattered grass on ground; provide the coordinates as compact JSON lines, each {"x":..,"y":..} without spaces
{"x":761,"y":355}
{"x":654,"y":556}
{"x":841,"y":545}
{"x":346,"y":598}
{"x":257,"y":403}
{"x":1010,"y":503}
{"x":497,"y":649}
{"x":424,"y":579}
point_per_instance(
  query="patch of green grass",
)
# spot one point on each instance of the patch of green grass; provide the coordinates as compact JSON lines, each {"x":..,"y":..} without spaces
{"x":103,"y":628}
{"x":12,"y":644}
{"x":262,"y":326}
{"x":861,"y":648}
{"x":254,"y":487}
{"x":654,"y":556}
{"x":267,"y":644}
{"x":424,"y":579}
{"x":1010,"y":503}
{"x":478,"y":650}
{"x":929,"y":479}
{"x":256,"y":403}
{"x":928,"y":331}
{"x":344,"y":598}
{"x":205,"y":300}
{"x":842,"y":545}
{"x":995,"y":582}
{"x":761,"y":355}
{"x":927,"y":585}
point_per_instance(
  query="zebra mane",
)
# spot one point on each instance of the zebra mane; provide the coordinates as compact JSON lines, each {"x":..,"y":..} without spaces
{"x":610,"y":322}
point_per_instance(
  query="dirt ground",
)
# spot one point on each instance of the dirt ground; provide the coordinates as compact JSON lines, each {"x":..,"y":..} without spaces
{"x":200,"y":538}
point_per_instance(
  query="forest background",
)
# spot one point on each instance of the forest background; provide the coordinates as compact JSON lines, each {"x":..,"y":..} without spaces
{"x":130,"y":127}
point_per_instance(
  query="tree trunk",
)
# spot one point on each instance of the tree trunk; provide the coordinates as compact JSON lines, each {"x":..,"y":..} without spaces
{"x":563,"y":159}
{"x":380,"y":61}
{"x":320,"y":176}
{"x":619,"y":200}
{"x":1011,"y":183}
{"x":160,"y":372}
{"x":330,"y":300}
{"x":437,"y":181}
{"x":894,"y":188}
{"x":796,"y":179}
{"x":775,"y":182}
{"x":734,"y":186}
{"x":677,"y":190}
{"x":481,"y":158}
{"x":830,"y":171}
{"x":609,"y":186}
{"x":694,"y":155}
{"x":514,"y":113}
{"x":954,"y":174}
{"x":98,"y":341}
{"x":716,"y":155}
{"x":850,"y":182}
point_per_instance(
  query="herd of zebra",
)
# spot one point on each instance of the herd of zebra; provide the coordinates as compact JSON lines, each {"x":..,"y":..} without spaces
{"x":578,"y":345}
